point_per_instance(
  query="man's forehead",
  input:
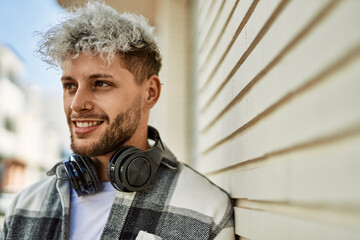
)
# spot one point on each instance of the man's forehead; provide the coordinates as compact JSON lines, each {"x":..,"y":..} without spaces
{"x":104,"y":61}
{"x":93,"y":67}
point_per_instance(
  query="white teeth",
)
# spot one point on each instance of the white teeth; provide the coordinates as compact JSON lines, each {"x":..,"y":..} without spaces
{"x":86,"y":124}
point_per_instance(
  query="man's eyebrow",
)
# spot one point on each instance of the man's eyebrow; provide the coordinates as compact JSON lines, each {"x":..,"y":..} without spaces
{"x":100,"y":75}
{"x":93,"y":76}
{"x":64,"y":78}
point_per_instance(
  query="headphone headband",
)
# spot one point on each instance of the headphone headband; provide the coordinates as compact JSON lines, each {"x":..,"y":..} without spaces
{"x":157,"y":156}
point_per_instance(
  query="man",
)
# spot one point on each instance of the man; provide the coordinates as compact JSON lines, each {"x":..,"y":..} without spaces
{"x":110,"y":64}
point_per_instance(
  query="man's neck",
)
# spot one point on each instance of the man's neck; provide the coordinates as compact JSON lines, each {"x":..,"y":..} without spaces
{"x":101,"y":163}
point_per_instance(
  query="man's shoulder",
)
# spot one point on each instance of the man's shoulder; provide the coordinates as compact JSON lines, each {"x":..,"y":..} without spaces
{"x":32,"y":197}
{"x":34,"y":209}
{"x":196,"y":192}
{"x":198,"y":182}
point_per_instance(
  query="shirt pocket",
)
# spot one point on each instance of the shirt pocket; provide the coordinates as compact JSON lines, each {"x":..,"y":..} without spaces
{"x":147,"y":236}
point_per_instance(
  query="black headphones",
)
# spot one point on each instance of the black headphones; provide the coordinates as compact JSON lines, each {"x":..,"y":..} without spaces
{"x":129,"y":169}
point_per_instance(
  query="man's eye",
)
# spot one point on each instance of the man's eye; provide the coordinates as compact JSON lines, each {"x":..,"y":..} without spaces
{"x":69,"y":86}
{"x":101,"y":84}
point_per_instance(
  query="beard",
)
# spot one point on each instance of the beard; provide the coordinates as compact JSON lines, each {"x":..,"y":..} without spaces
{"x":117,"y":133}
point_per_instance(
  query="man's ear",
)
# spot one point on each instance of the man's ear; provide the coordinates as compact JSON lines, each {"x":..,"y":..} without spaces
{"x":153,"y":90}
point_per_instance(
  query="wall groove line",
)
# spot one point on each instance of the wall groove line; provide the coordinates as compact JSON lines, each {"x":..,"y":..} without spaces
{"x":262,"y":161}
{"x":219,"y":36}
{"x":348,"y":57}
{"x":243,"y":58}
{"x":238,"y":31}
{"x":212,"y":24}
{"x":201,"y":7}
{"x":201,"y":27}
{"x":296,"y":40}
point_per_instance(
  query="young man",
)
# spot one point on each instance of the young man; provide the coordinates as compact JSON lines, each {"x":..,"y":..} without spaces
{"x":115,"y":185}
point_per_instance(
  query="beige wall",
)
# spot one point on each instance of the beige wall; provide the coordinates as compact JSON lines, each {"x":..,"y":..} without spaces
{"x":278,"y":114}
{"x":171,"y":114}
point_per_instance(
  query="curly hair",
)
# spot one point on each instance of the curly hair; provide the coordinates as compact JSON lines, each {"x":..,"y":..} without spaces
{"x":97,"y":29}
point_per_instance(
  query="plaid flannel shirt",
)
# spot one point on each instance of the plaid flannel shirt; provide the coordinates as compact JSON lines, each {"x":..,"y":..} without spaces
{"x":180,"y":204}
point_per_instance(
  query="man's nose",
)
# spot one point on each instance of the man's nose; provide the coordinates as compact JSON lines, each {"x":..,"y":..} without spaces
{"x":81,"y":101}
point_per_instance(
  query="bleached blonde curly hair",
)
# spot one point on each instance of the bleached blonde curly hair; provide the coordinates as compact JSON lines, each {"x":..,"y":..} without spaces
{"x":98,"y":29}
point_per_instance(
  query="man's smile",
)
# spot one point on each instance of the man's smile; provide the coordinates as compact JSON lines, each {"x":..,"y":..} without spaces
{"x":87,"y":124}
{"x":85,"y":127}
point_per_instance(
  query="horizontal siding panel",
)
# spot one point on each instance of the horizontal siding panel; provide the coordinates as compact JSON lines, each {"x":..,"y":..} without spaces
{"x":258,"y":225}
{"x":206,"y":46}
{"x":203,"y":14}
{"x":227,"y":38}
{"x":210,"y":20}
{"x":200,"y":7}
{"x":213,"y":77}
{"x":267,"y":53}
{"x":320,"y":175}
{"x":270,"y":183}
{"x":295,"y":71}
{"x":327,"y":108}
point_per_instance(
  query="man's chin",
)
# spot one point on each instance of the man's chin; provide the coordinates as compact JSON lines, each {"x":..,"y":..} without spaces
{"x":82,"y":149}
{"x":90,"y":149}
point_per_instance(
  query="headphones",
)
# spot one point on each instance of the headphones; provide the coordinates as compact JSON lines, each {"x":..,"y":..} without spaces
{"x":129,"y":169}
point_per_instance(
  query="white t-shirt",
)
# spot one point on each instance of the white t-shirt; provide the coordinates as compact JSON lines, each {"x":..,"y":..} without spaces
{"x":89,"y":213}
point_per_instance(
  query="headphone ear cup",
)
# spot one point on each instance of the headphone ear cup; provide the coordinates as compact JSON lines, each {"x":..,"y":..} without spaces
{"x":82,"y":175}
{"x":130,"y":170}
{"x":114,"y":167}
{"x":94,"y":179}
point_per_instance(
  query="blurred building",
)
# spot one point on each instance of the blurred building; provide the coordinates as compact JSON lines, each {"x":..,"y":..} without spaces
{"x":28,"y":146}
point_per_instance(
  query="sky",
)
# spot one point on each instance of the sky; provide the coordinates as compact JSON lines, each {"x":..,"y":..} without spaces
{"x":19,"y":19}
